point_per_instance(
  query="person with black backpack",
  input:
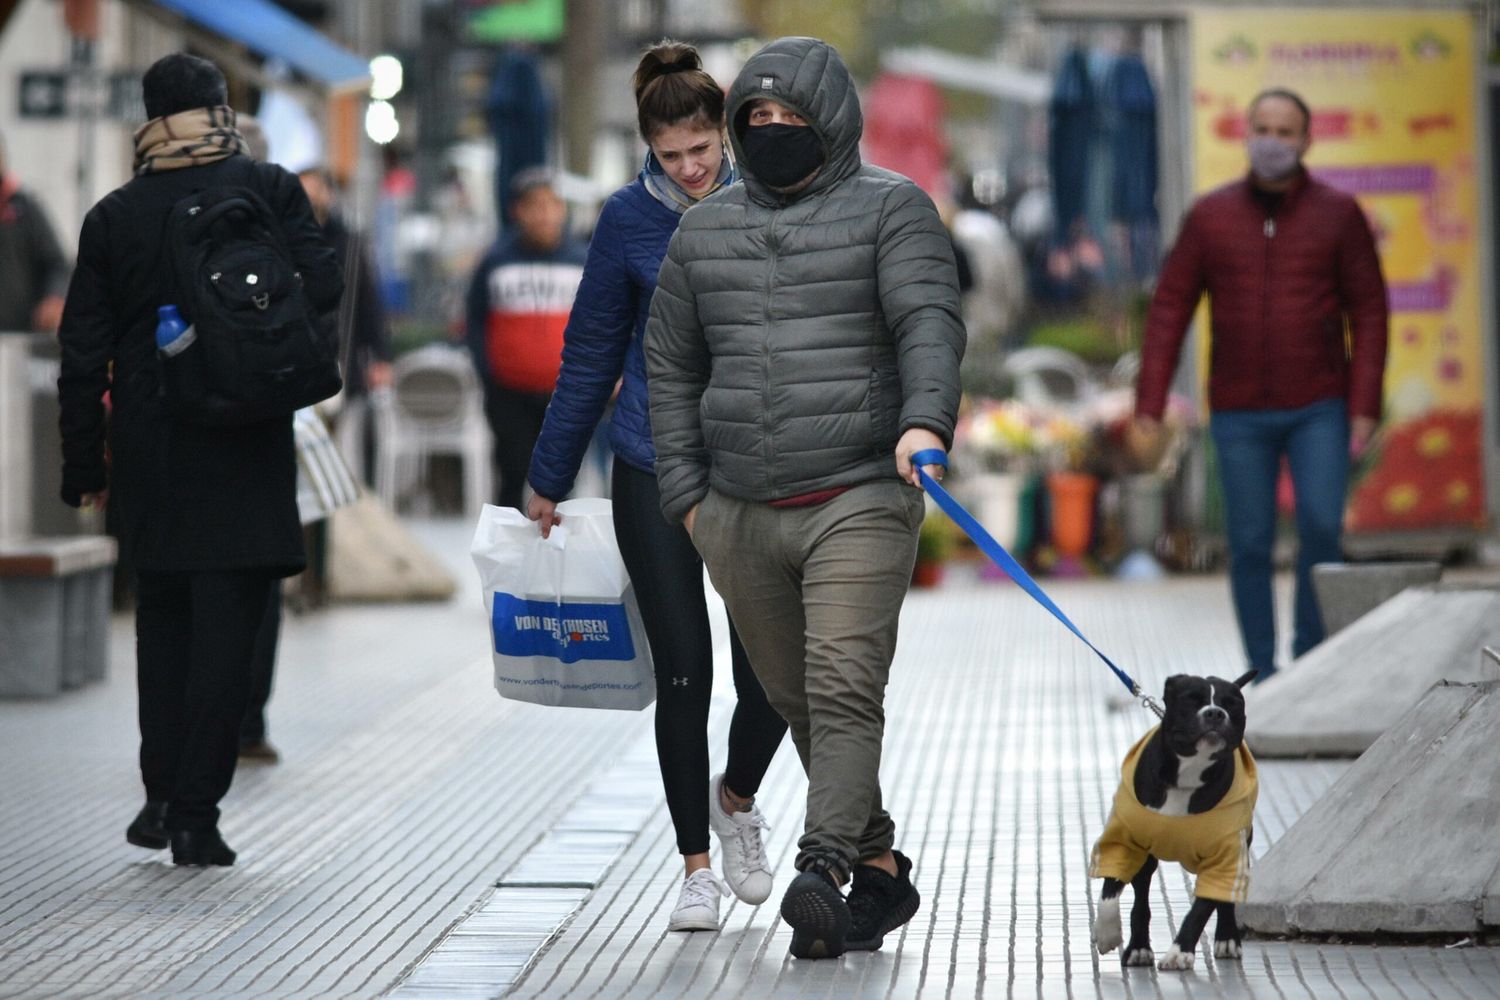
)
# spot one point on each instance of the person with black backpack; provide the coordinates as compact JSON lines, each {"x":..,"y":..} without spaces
{"x":196,"y":457}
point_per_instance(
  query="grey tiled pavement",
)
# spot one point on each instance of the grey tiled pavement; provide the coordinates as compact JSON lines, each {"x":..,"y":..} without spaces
{"x":370,"y":857}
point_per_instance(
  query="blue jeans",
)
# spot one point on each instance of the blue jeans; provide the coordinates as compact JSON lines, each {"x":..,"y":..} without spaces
{"x":1250,"y":443}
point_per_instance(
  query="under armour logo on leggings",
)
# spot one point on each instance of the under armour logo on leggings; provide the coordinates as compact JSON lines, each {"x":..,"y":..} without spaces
{"x":679,"y":682}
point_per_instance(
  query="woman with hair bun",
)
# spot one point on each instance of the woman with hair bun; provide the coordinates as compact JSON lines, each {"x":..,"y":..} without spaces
{"x":680,"y":111}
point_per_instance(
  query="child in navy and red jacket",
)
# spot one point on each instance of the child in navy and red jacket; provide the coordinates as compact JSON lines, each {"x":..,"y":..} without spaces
{"x":518,"y":307}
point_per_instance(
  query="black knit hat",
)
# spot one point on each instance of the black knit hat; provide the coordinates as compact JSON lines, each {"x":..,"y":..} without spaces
{"x":180,"y":82}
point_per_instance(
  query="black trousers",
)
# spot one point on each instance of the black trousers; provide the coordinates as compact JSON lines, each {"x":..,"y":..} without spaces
{"x":262,"y":668}
{"x":667,"y":574}
{"x":515,"y":419}
{"x":195,"y":636}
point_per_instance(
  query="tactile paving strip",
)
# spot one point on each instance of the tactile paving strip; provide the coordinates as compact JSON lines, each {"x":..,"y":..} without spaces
{"x":491,"y":948}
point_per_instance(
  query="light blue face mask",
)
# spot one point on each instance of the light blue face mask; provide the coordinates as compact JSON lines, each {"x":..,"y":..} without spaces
{"x":1271,"y":159}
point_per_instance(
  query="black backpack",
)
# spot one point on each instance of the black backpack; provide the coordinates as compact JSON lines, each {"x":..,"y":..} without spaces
{"x":259,"y":351}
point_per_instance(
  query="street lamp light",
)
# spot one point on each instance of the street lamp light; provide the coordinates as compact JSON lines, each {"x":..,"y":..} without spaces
{"x":380,"y":122}
{"x":386,"y":77}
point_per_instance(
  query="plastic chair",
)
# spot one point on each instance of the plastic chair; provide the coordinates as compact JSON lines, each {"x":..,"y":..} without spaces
{"x":433,"y":407}
{"x":1050,"y":376}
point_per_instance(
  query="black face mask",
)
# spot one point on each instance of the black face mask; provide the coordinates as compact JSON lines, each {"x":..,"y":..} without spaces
{"x":781,"y":155}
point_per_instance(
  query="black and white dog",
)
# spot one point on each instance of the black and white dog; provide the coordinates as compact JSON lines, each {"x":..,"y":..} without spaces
{"x":1187,"y":795}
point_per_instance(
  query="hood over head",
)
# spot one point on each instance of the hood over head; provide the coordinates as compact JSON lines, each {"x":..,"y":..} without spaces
{"x":809,"y":77}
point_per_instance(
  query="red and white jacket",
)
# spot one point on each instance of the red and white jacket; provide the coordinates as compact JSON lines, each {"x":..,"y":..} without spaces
{"x":518,"y":306}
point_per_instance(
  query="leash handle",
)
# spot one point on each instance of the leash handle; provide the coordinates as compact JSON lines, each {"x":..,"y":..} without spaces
{"x":1008,"y":563}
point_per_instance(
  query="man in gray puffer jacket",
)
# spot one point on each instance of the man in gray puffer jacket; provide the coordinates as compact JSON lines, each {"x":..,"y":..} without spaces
{"x":804,"y":344}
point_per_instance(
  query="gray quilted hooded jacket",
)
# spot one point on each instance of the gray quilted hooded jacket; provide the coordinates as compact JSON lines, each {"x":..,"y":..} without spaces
{"x":793,"y":339}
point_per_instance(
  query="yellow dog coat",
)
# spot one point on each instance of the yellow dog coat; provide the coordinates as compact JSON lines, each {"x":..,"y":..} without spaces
{"x":1214,"y":845}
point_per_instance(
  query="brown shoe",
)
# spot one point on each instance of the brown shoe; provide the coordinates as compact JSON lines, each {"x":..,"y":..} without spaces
{"x":259,"y":752}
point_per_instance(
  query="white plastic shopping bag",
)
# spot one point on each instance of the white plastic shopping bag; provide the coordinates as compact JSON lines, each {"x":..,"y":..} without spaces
{"x":324,"y":481}
{"x":564,"y":625}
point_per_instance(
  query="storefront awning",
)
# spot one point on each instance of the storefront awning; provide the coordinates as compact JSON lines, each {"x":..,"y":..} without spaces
{"x":272,"y":32}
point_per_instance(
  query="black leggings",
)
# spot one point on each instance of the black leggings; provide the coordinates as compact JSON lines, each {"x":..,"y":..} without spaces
{"x":668,"y":577}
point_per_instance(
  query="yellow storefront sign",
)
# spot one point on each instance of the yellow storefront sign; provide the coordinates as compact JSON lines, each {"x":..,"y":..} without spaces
{"x":1392,"y":95}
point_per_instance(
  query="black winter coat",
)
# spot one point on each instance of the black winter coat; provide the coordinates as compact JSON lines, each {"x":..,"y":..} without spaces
{"x":185,"y":497}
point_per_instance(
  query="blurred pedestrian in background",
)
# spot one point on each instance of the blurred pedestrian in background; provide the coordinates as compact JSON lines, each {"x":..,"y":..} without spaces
{"x":33,"y":270}
{"x":1299,"y":329}
{"x":517,"y":310}
{"x":364,"y":334}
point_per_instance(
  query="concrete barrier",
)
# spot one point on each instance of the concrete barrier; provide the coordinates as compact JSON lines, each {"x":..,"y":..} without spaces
{"x":1339,"y":698}
{"x":1348,"y":591}
{"x":1405,"y":842}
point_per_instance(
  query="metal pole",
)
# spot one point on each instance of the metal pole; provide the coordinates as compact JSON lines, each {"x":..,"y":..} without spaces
{"x":583,"y":51}
{"x":86,"y":96}
{"x":434,"y":102}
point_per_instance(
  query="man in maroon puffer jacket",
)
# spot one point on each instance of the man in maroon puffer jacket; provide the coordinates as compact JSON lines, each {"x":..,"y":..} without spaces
{"x":1299,"y":321}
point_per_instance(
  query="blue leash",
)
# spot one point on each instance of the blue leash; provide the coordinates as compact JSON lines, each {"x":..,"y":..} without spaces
{"x":1007,"y":562}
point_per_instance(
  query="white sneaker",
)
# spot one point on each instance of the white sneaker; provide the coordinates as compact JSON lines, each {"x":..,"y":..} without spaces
{"x":698,"y":904}
{"x":745,"y":866}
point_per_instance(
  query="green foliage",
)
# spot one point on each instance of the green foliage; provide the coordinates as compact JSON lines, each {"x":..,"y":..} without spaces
{"x":937,"y":539}
{"x":861,"y":29}
{"x":842,"y":25}
{"x":1084,"y":336}
{"x":408,"y":334}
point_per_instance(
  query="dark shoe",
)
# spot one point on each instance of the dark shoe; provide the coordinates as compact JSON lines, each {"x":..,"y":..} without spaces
{"x":200,"y":848}
{"x":878,"y":903}
{"x":146,"y":830}
{"x":259,"y":752}
{"x":815,"y":910}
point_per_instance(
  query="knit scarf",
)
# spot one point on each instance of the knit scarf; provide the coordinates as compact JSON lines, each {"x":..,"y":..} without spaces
{"x":667,"y":191}
{"x":187,"y":139}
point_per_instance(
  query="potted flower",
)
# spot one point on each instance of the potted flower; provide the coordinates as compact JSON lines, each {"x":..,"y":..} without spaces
{"x":1071,"y":487}
{"x":935,"y":544}
{"x":996,"y":447}
{"x":1144,"y":467}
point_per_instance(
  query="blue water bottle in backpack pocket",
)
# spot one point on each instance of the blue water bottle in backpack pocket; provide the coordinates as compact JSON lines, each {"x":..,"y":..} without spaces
{"x":173,"y":333}
{"x":179,"y":369}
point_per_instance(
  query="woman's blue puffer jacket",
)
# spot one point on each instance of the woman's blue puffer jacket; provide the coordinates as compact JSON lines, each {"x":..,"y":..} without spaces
{"x":603,"y":340}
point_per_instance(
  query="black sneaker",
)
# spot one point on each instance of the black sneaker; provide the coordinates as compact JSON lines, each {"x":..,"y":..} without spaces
{"x":878,"y":903}
{"x":200,"y":848}
{"x":815,"y":910}
{"x":148,"y":829}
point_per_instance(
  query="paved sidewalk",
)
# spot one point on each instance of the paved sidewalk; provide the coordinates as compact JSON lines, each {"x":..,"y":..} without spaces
{"x":371,"y":857}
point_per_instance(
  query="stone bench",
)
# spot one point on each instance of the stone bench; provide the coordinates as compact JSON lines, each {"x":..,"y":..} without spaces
{"x":54,"y":613}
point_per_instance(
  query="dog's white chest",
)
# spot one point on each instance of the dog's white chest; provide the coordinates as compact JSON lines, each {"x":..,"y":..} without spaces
{"x":1190,"y":772}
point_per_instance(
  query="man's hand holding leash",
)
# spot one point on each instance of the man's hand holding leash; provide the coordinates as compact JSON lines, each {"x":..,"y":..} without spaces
{"x":915,"y":440}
